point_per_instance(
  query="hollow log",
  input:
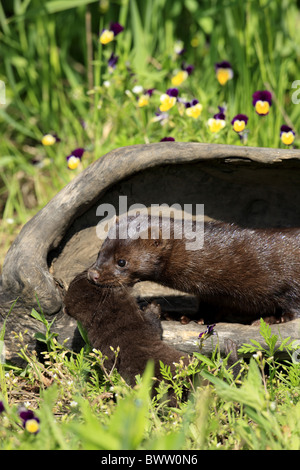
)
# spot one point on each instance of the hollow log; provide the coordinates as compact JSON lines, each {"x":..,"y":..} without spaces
{"x":252,"y":187}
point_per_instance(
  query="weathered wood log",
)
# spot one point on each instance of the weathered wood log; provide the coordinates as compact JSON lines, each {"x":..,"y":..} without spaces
{"x":253,"y":187}
{"x":185,"y":337}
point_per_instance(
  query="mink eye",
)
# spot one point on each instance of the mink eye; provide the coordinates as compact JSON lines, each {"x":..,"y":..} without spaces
{"x":121,"y":263}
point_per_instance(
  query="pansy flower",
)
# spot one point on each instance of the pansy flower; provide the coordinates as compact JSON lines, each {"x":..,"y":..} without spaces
{"x":112,"y":61}
{"x":179,"y":77}
{"x":137,"y":89}
{"x":74,"y":158}
{"x":195,"y":41}
{"x":206,"y":334}
{"x":162,"y":118}
{"x":217,"y":123}
{"x":224,"y":72}
{"x":239,"y":122}
{"x":287,"y":135}
{"x":109,"y":35}
{"x":193,"y":108}
{"x":167,"y":139}
{"x":168,"y":99}
{"x":182,"y":74}
{"x":143,"y":100}
{"x":49,"y":139}
{"x":30,"y":422}
{"x":179,"y":47}
{"x":189,"y":68}
{"x":2,"y":407}
{"x":262,"y":101}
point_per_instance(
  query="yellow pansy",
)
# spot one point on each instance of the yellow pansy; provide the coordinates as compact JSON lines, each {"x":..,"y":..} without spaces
{"x":179,"y":78}
{"x":239,"y":122}
{"x":106,"y":36}
{"x":48,"y":139}
{"x":262,"y":107}
{"x":262,"y":101}
{"x":109,"y":35}
{"x":194,"y":109}
{"x":73,"y":162}
{"x":287,"y":135}
{"x":215,"y":125}
{"x":32,"y":426}
{"x":224,"y":72}
{"x":143,"y":101}
{"x":239,"y":126}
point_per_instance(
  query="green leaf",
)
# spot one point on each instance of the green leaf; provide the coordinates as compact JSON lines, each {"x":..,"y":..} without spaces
{"x":265,"y":330}
{"x":37,"y":316}
{"x":40,"y":337}
{"x":16,"y":125}
{"x":204,"y":359}
{"x":83,"y":333}
{"x":251,"y":393}
{"x":62,"y":5}
{"x":127,"y":425}
{"x":2,"y":331}
{"x":257,"y":344}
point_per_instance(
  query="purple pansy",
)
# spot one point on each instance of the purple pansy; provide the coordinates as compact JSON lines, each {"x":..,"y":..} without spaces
{"x":208,"y":332}
{"x":262,"y":96}
{"x":240,"y":117}
{"x":286,"y":128}
{"x":223,"y":65}
{"x":30,"y":422}
{"x":224,"y":72}
{"x":78,"y":152}
{"x":189,"y":104}
{"x":108,"y":35}
{"x":167,"y":139}
{"x":188,"y":68}
{"x":239,"y":122}
{"x":220,"y":114}
{"x":287,"y":135}
{"x":172,"y":92}
{"x":149,"y":91}
{"x":168,"y":99}
{"x":262,"y":101}
{"x":113,"y":60}
{"x":74,"y":158}
{"x":116,"y":28}
{"x":193,"y":108}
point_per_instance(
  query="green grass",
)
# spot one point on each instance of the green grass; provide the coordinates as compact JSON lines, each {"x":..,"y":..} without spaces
{"x":56,"y":78}
{"x":82,"y":405}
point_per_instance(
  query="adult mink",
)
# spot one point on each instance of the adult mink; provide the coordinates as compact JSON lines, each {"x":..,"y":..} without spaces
{"x":239,"y":274}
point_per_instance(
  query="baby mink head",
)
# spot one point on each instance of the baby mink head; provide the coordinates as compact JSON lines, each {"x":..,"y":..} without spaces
{"x":131,"y":252}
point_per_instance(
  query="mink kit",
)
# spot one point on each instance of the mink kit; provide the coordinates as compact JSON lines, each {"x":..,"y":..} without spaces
{"x":112,"y":318}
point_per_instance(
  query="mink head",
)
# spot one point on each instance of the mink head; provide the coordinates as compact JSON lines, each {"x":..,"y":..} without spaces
{"x":129,"y":256}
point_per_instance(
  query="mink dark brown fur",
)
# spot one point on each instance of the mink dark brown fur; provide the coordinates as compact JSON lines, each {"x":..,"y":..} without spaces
{"x":112,"y":318}
{"x":239,"y":274}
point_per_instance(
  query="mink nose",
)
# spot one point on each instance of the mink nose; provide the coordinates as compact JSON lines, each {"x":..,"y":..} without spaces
{"x":93,"y":275}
